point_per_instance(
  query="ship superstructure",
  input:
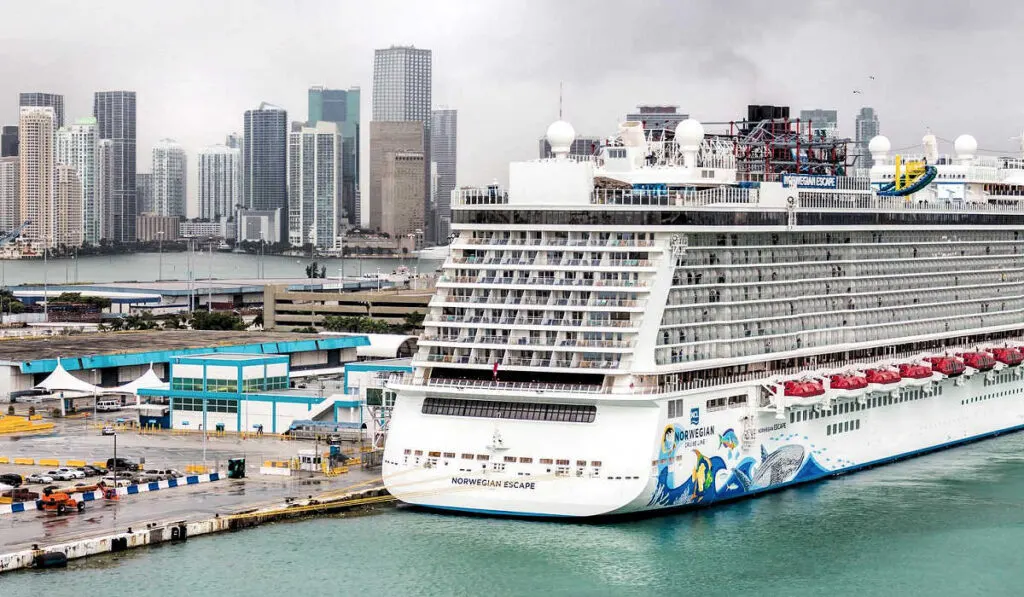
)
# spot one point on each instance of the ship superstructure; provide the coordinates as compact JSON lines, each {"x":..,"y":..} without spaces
{"x":662,"y":325}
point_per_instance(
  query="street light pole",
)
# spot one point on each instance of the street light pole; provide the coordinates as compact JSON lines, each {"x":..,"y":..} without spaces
{"x":160,"y":240}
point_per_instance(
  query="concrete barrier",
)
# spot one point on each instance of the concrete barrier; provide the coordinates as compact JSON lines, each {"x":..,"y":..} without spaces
{"x":5,"y":460}
{"x":130,"y":490}
{"x":26,"y":461}
{"x":74,"y":463}
{"x":49,"y":462}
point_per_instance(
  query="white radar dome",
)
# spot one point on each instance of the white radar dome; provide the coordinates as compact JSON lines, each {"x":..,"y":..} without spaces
{"x":965,"y":146}
{"x":879,"y":144}
{"x":689,"y":134}
{"x":560,"y":136}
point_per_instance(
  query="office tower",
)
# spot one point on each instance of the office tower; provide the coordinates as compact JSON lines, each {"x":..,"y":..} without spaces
{"x":657,"y":117}
{"x":402,"y":92}
{"x":314,"y":184}
{"x":169,"y":179}
{"x":388,"y":138}
{"x":219,"y":180}
{"x":76,"y":147}
{"x":443,"y":151}
{"x":402,"y":204}
{"x":10,"y":210}
{"x":233,"y":140}
{"x":144,"y":192}
{"x":153,"y":228}
{"x":823,"y":123}
{"x":38,"y":99}
{"x":8,"y":141}
{"x":68,"y":203}
{"x":341,"y":106}
{"x":260,"y":225}
{"x":866,"y":128}
{"x":115,"y":119}
{"x":35,"y":175}
{"x":264,"y":162}
{"x":583,"y":146}
{"x":105,"y":171}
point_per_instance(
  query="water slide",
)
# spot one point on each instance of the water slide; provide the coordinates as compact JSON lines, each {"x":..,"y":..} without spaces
{"x":913,"y":183}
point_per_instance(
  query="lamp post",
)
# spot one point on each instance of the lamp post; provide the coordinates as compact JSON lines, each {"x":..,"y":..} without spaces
{"x":160,"y":268}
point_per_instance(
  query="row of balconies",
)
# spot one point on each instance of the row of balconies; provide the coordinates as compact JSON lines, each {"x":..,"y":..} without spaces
{"x":530,"y":321}
{"x":542,"y":281}
{"x":593,"y":262}
{"x":502,"y":239}
{"x":735,"y":257}
{"x":568,"y":343}
{"x":547,"y":301}
{"x":543,"y":360}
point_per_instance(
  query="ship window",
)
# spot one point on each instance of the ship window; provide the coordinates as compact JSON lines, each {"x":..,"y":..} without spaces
{"x":434,"y":455}
{"x":482,"y":457}
{"x":449,"y":454}
{"x":419,"y":452}
{"x":595,"y":463}
{"x":546,"y":461}
{"x":576,"y":413}
{"x":562,"y":462}
{"x":467,"y":457}
{"x":526,"y":460}
{"x":510,"y":459}
{"x":581,"y":463}
{"x":408,"y":451}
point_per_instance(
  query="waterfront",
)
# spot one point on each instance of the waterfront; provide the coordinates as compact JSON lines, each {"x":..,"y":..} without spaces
{"x":143,"y":267}
{"x":950,"y":523}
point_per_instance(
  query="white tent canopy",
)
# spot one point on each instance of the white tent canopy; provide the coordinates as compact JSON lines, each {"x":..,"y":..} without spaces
{"x":61,"y":380}
{"x":149,"y":380}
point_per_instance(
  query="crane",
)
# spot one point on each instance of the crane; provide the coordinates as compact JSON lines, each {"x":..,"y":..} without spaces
{"x":6,"y":237}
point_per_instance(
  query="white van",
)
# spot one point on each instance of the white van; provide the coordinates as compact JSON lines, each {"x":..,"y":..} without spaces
{"x":108,"y":405}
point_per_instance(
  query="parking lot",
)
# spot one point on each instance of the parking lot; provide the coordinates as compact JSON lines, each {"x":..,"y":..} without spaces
{"x":81,"y":440}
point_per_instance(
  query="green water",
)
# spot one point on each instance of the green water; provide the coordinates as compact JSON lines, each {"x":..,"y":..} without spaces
{"x":946,"y":524}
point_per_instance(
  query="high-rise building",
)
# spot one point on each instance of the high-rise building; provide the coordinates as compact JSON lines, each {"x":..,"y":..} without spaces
{"x":37,"y":99}
{"x":144,"y":193}
{"x":581,"y":147}
{"x":444,"y":129}
{"x":823,"y":123}
{"x":8,"y":141}
{"x":341,"y":106}
{"x":10,"y":210}
{"x":866,"y":128}
{"x":36,"y":174}
{"x":76,"y":147}
{"x":67,"y":207}
{"x":154,"y":228}
{"x":314,"y":184}
{"x":169,"y":179}
{"x":256,"y":225}
{"x":385,"y":138}
{"x":265,"y":161}
{"x":115,"y":120}
{"x":402,"y":83}
{"x":402,"y":204}
{"x":658,"y":117}
{"x":219,"y":180}
{"x":233,"y":140}
{"x":105,"y":172}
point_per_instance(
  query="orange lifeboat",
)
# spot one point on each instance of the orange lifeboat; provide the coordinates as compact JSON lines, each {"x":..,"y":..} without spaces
{"x":914,"y":374}
{"x":881,"y":376}
{"x":847,"y":382}
{"x":978,"y":360}
{"x":805,"y":388}
{"x":948,"y":366}
{"x":1011,"y":357}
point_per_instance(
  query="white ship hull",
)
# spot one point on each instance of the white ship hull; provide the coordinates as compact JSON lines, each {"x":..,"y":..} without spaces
{"x":632,"y":458}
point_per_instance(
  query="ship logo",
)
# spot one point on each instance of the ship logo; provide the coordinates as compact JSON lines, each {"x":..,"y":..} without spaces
{"x":695,"y":416}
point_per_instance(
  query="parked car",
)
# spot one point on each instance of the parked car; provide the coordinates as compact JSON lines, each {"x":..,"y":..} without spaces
{"x":14,"y":496}
{"x":39,"y":478}
{"x":74,"y":472}
{"x":122,"y":464}
{"x":60,"y":476}
{"x":108,"y":430}
{"x":92,"y":471}
{"x":12,"y":479}
{"x":160,"y":474}
{"x":121,"y":481}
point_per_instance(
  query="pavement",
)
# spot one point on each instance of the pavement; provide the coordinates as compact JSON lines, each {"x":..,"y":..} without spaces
{"x":78,"y":439}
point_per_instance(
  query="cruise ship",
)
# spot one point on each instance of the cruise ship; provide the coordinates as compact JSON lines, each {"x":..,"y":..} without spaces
{"x":684,"y":317}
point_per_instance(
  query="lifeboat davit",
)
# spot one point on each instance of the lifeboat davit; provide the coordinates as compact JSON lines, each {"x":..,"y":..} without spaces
{"x":881,"y":376}
{"x":1011,"y":357}
{"x":915,"y":375}
{"x":847,"y":384}
{"x":981,"y":361}
{"x":948,"y":366}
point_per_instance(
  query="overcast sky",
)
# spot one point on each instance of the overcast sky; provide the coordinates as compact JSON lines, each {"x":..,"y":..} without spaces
{"x":197,"y":65}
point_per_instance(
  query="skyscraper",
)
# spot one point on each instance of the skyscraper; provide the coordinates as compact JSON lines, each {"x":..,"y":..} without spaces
{"x":443,"y":150}
{"x":314,"y":184}
{"x":401,"y":193}
{"x":115,"y":120}
{"x":105,"y":171}
{"x":866,"y":128}
{"x":8,"y":141}
{"x":341,"y":106}
{"x":67,"y":212}
{"x":39,"y":99}
{"x":658,"y":117}
{"x":76,"y":147}
{"x":169,"y":178}
{"x":144,"y":192}
{"x":36,"y":175}
{"x":219,"y":181}
{"x":386,"y":139}
{"x":10,"y":210}
{"x":402,"y":83}
{"x":823,"y":123}
{"x":264,"y":161}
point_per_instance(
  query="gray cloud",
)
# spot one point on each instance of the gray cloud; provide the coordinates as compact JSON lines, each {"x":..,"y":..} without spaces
{"x":197,"y":65}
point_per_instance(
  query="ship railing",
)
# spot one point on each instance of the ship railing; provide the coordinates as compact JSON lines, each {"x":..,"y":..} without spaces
{"x":512,"y":385}
{"x":875,"y":203}
{"x":672,"y":198}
